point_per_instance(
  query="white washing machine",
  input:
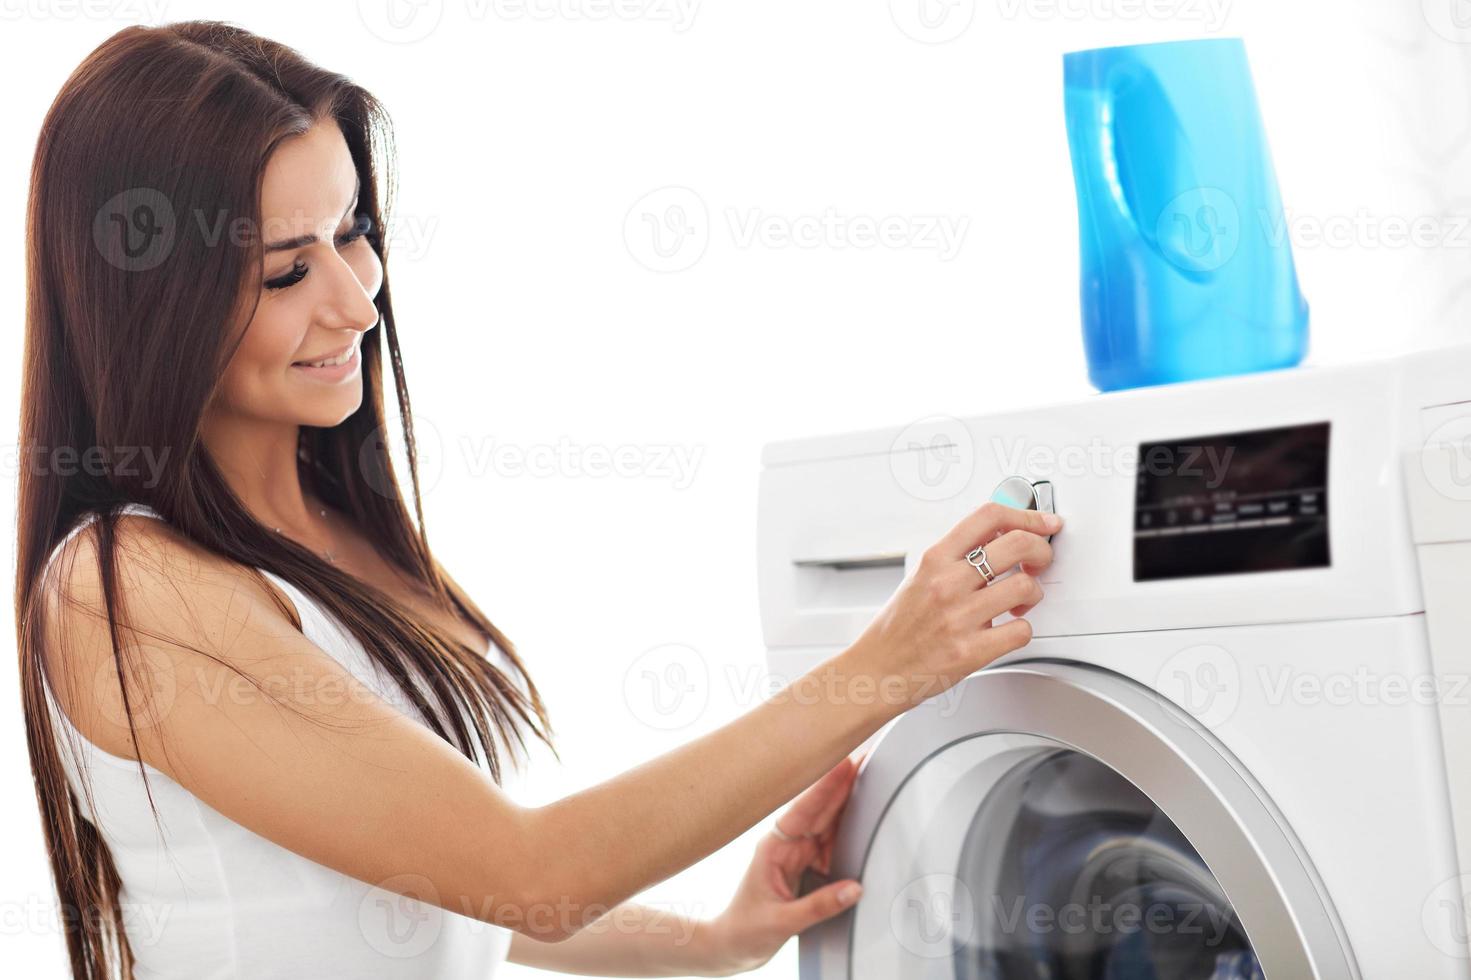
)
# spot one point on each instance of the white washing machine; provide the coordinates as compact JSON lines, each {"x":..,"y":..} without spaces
{"x":1239,"y":743}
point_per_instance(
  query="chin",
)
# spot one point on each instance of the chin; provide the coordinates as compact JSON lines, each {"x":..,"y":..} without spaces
{"x":325,"y":412}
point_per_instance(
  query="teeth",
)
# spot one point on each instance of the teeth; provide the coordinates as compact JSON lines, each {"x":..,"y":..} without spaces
{"x":333,"y":362}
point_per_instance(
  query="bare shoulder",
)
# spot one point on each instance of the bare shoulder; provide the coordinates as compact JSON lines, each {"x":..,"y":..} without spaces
{"x":174,"y":601}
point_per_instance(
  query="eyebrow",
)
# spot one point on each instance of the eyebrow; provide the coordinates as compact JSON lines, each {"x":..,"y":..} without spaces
{"x":285,"y":245}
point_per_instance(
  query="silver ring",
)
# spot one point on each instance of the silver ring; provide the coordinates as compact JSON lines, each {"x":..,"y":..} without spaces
{"x":977,"y":558}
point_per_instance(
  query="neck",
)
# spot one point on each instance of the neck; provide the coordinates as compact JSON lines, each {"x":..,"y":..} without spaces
{"x":258,"y":461}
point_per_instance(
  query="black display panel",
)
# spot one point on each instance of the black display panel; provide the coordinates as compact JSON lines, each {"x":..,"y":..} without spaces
{"x":1252,"y":501}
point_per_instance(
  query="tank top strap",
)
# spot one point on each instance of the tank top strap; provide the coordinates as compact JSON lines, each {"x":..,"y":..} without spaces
{"x":88,"y":518}
{"x":144,"y":509}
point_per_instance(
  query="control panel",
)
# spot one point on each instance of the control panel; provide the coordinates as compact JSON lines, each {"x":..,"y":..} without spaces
{"x":1253,"y":501}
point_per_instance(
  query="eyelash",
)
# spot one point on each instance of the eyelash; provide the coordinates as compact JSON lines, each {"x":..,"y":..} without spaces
{"x":362,"y":224}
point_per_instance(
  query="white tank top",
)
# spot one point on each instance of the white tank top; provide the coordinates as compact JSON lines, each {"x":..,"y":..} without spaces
{"x":222,"y":902}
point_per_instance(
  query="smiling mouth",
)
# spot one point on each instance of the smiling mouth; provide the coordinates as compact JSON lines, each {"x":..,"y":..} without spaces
{"x":341,"y":357}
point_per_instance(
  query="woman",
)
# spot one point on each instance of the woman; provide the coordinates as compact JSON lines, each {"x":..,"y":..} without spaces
{"x":267,"y":728}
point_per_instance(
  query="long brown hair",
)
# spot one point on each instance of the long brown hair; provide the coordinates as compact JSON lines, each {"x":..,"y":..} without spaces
{"x":156,"y":139}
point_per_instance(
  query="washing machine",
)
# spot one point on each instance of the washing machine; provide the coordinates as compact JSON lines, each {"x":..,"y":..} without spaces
{"x":1239,"y":742}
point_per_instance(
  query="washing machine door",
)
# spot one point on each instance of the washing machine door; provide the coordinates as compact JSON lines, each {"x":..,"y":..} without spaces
{"x":1052,"y":821}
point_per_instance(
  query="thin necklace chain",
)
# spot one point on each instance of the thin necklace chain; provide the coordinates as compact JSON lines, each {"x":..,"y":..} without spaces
{"x":326,"y":554}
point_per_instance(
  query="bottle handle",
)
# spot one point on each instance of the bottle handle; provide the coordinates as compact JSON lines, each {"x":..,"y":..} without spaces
{"x":1108,"y":140}
{"x":1154,"y":180}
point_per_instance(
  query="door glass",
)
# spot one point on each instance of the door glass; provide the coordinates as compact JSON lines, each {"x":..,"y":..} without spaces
{"x":1009,"y":857}
{"x":1080,"y":877}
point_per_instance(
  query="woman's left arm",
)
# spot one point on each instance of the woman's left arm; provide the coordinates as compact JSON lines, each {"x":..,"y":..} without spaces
{"x":641,"y":941}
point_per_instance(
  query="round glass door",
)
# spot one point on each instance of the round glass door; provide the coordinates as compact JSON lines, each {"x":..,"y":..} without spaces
{"x":1074,"y":835}
{"x":1081,"y":877}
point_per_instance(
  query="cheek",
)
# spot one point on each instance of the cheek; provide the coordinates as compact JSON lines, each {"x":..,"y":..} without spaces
{"x":256,"y":374}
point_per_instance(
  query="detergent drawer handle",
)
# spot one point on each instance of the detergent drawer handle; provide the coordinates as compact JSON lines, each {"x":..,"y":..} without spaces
{"x":887,"y":559}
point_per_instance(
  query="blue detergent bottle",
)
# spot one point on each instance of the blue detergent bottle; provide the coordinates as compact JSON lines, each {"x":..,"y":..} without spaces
{"x":1186,"y":261}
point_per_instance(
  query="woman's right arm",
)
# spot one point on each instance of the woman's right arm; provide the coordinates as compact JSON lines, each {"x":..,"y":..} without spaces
{"x":341,"y":777}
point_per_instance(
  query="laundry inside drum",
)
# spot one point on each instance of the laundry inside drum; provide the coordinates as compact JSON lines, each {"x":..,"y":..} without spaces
{"x":1074,"y":874}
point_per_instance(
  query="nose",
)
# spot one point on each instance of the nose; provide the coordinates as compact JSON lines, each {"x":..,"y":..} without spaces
{"x":350,"y":305}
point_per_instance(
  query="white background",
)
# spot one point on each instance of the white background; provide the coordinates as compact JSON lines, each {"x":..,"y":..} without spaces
{"x":530,"y":134}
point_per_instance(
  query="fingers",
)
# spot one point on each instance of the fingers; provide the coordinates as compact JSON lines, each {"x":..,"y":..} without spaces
{"x":813,"y":811}
{"x":1024,"y":549}
{"x":782,"y":879}
{"x":812,"y":823}
{"x":820,"y":905}
{"x":1016,"y":594}
{"x":981,"y":525}
{"x":827,"y":839}
{"x":1009,"y":636}
{"x":839,"y":796}
{"x":938,"y":624}
{"x":827,"y":823}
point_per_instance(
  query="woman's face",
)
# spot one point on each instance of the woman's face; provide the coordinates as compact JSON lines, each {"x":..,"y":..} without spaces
{"x":316,"y":294}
